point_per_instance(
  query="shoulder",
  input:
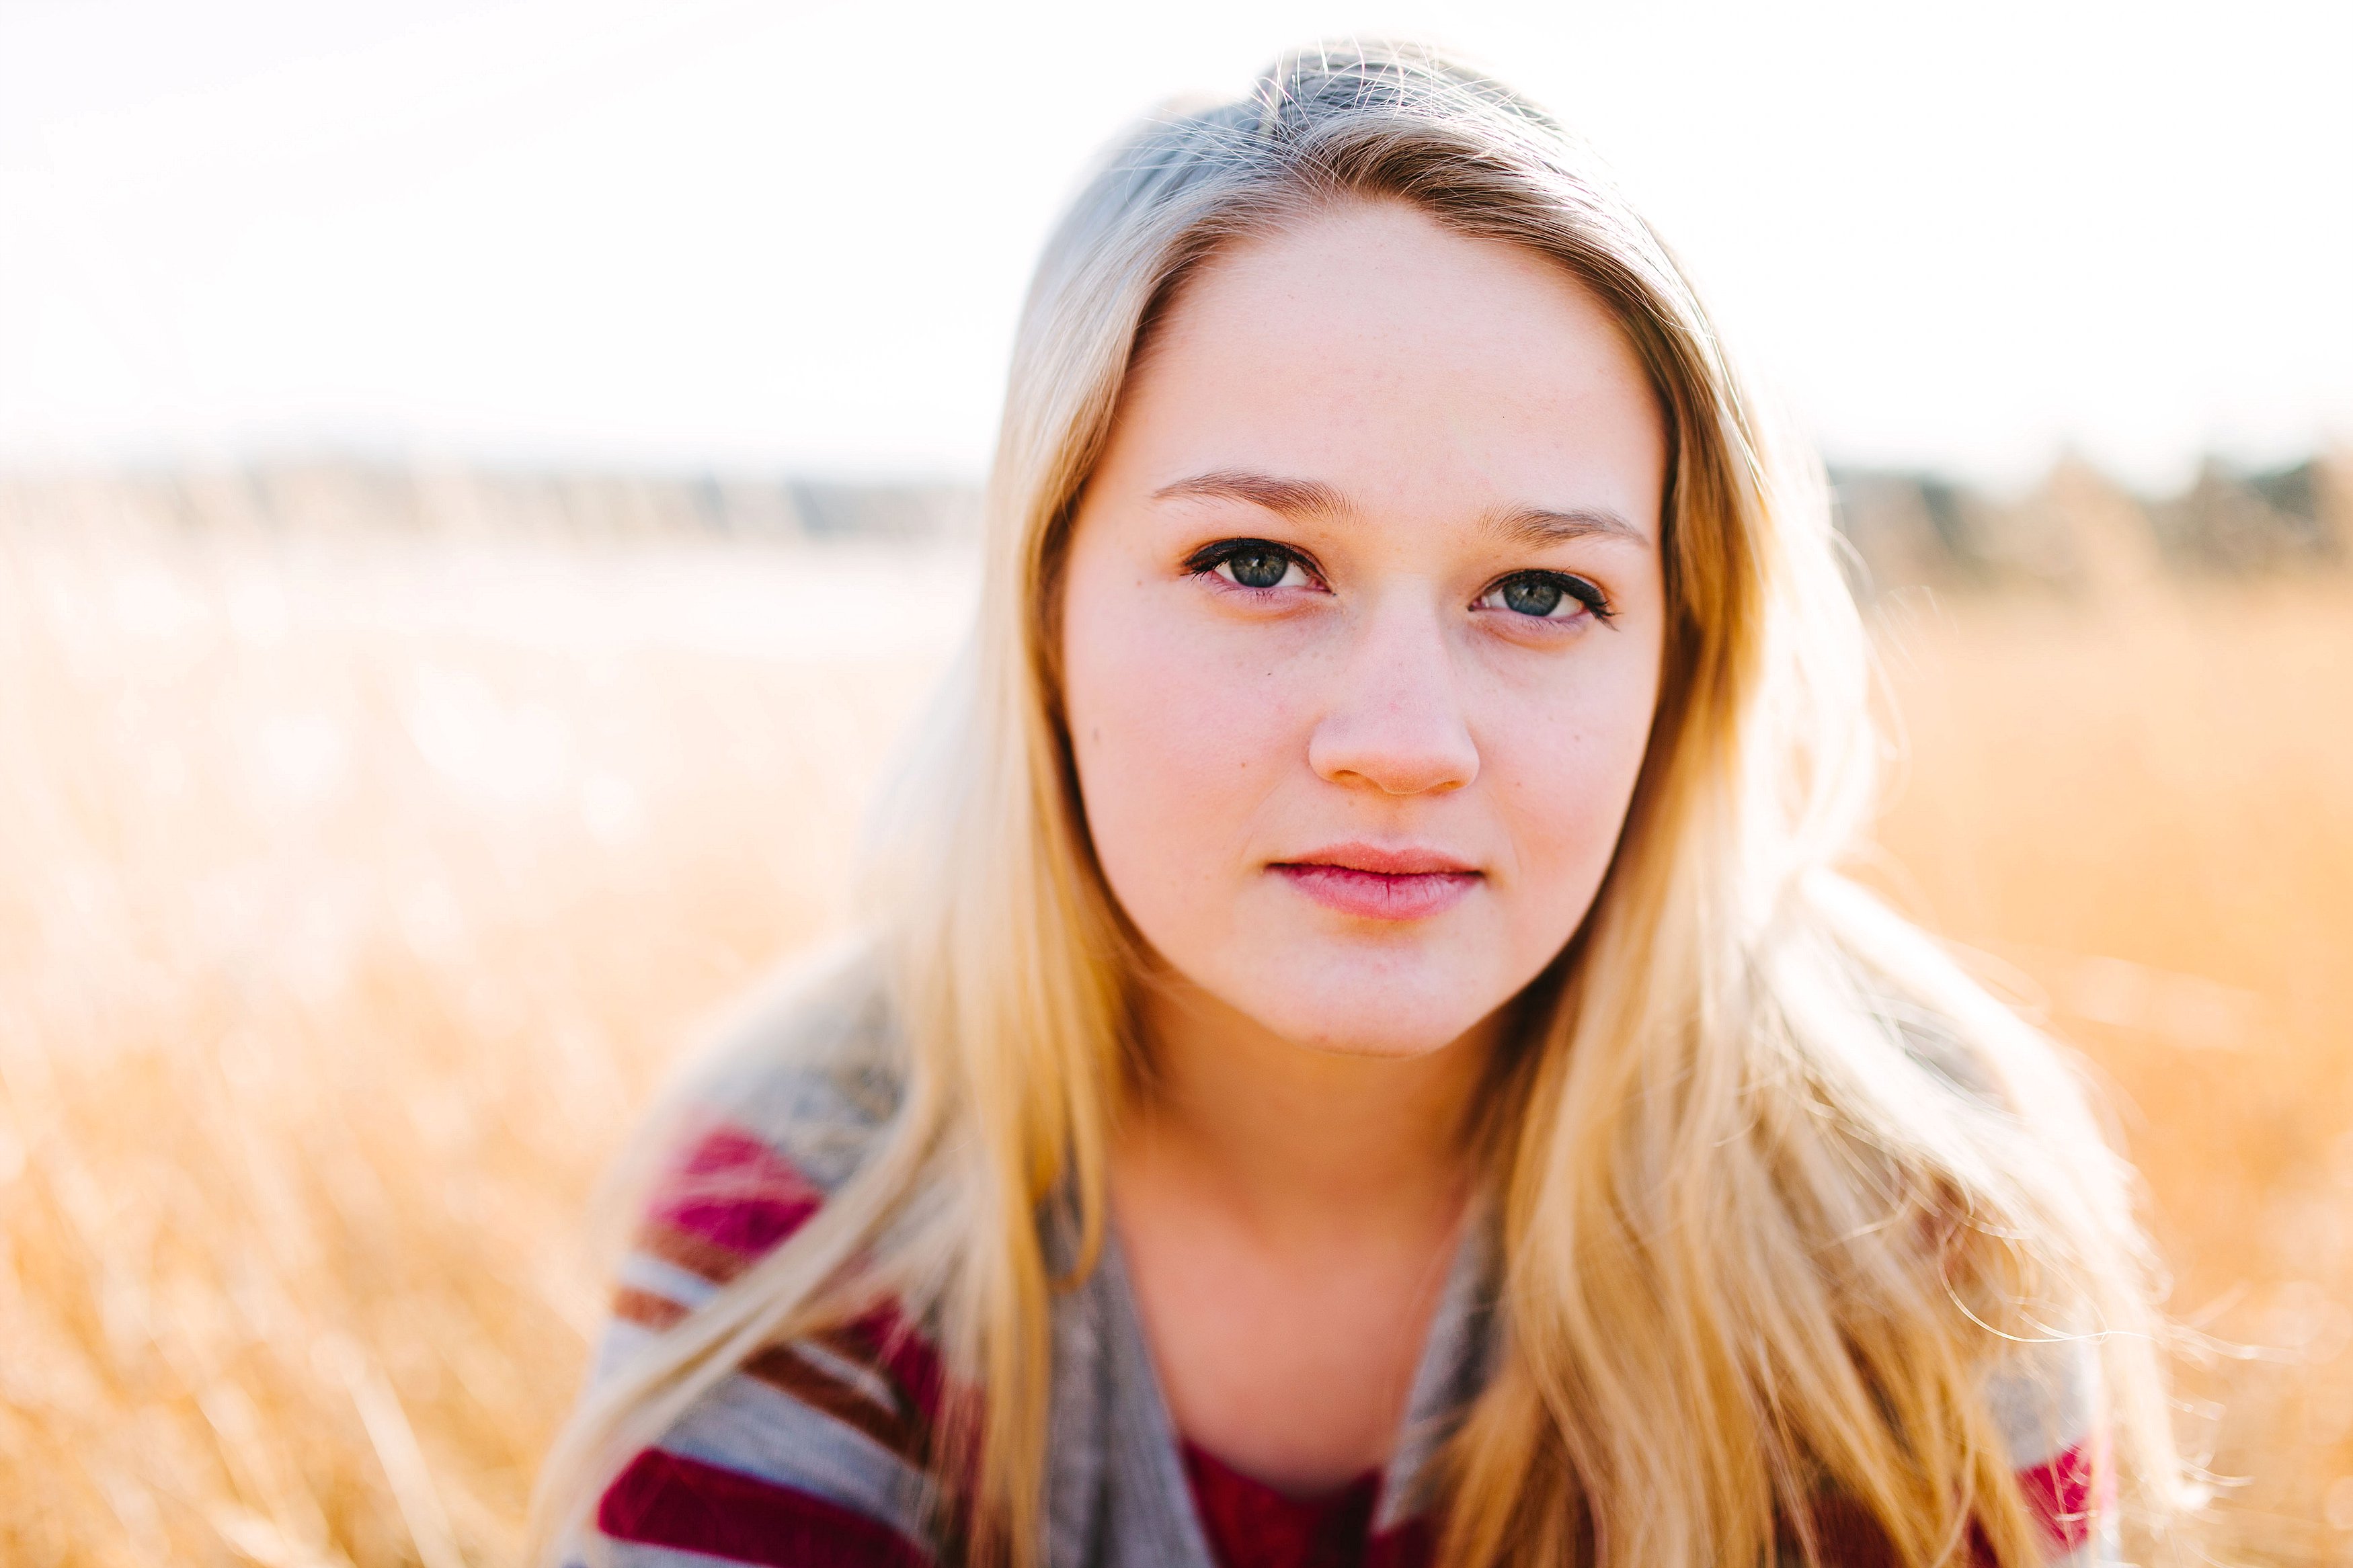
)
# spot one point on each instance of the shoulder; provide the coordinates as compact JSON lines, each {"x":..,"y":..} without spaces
{"x":2044,"y":1400}
{"x":2048,"y":1405}
{"x":811,"y":1067}
{"x":786,"y":1108}
{"x":815,"y":1447}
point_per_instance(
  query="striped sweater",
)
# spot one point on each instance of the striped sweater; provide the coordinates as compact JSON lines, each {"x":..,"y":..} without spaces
{"x":814,"y":1454}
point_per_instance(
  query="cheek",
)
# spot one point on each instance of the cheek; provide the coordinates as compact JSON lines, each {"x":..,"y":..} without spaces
{"x":1565,"y":771}
{"x":1177,"y":744}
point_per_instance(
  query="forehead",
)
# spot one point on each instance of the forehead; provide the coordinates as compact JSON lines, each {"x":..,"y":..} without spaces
{"x":1366,"y":346}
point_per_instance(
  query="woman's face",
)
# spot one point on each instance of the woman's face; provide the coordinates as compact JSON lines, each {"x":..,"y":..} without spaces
{"x":1361,"y":627}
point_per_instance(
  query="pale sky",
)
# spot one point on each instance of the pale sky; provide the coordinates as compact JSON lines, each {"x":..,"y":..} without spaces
{"x":707,"y":233}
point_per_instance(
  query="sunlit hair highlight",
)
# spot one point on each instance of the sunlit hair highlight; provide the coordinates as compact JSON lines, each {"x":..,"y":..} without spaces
{"x":1778,"y":1186}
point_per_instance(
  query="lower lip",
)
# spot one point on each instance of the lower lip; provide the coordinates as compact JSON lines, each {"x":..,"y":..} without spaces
{"x":1380,"y":895}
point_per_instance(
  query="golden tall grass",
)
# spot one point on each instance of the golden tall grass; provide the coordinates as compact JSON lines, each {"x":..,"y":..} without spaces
{"x":2139,"y":810}
{"x":357,"y":886}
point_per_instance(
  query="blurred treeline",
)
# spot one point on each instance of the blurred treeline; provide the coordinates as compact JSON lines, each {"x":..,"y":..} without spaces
{"x":2077,"y":530}
{"x":327,"y":496}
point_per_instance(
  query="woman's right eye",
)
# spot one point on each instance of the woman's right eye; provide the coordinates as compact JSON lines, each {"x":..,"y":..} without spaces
{"x":1249,"y":563}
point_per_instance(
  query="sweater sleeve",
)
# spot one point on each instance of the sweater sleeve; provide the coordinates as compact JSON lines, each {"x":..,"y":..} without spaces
{"x":2045,"y":1400}
{"x":812,"y":1453}
{"x":2048,"y":1402}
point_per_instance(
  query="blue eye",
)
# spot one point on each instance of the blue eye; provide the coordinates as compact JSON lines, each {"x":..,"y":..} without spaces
{"x":1254,"y":564}
{"x":1532,"y":596}
{"x":1547,"y":597}
{"x":1257,"y":569}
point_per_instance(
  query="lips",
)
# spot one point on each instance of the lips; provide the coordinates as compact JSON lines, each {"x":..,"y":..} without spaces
{"x":1373,"y":882}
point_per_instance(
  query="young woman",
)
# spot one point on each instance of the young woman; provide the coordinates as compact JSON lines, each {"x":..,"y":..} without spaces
{"x":1360,"y":1055}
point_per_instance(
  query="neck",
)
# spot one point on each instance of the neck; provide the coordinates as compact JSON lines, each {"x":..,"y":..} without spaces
{"x":1294,"y":1140}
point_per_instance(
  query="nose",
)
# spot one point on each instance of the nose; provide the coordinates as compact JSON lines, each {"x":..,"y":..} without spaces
{"x":1394,"y":721}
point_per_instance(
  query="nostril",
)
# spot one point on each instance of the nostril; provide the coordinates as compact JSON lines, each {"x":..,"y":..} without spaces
{"x":1425,"y":754}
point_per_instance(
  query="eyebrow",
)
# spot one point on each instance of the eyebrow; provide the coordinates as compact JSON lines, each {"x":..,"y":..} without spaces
{"x":1291,"y":497}
{"x":1540,"y":525}
{"x":1313,"y":499}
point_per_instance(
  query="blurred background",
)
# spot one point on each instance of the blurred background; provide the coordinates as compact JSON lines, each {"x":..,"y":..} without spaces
{"x":483,"y":485}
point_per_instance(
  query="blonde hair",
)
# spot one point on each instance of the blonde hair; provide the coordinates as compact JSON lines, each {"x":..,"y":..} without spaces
{"x":1777,"y":1185}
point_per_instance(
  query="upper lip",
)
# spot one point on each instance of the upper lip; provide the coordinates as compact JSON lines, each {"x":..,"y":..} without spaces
{"x":1402,"y":860}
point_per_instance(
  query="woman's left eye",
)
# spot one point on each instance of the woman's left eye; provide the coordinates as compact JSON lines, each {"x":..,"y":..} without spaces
{"x":1547,"y":595}
{"x":1259,"y":569}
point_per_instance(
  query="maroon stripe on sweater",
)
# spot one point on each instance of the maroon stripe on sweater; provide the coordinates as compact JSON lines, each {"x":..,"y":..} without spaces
{"x":716,"y":1264}
{"x":1408,"y":1544}
{"x":1251,"y":1525}
{"x":885,"y":1340}
{"x":735,"y":1191}
{"x":666,"y":1499}
{"x":2060,"y":1494}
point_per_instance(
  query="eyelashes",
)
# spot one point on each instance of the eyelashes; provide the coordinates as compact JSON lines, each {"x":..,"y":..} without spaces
{"x":1541,"y":594}
{"x":1257,"y":566}
{"x":1260,"y":566}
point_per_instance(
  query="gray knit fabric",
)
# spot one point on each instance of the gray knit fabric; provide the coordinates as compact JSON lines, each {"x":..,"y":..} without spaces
{"x":1116,"y":1491}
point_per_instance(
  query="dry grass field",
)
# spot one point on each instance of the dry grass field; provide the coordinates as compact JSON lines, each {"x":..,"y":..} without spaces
{"x":355,"y":886}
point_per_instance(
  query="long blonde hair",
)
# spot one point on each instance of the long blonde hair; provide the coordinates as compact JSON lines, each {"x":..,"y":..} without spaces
{"x":1777,"y":1186}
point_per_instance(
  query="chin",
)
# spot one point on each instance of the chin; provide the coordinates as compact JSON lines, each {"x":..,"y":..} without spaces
{"x":1359,"y":1020}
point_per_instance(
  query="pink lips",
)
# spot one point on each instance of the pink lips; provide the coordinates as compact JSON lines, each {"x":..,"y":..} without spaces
{"x":1373,"y":883}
